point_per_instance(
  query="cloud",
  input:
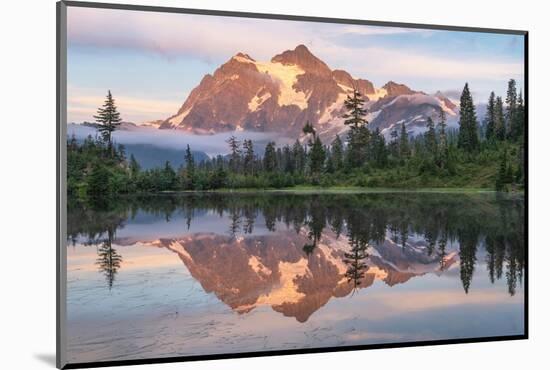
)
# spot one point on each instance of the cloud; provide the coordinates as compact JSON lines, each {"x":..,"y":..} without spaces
{"x":376,"y":31}
{"x":377,"y":61}
{"x":215,"y":38}
{"x":175,"y":35}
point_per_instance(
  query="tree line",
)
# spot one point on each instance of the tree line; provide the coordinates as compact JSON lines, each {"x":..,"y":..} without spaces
{"x":489,"y":154}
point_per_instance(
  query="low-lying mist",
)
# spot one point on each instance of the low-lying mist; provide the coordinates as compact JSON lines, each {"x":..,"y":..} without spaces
{"x":211,"y":145}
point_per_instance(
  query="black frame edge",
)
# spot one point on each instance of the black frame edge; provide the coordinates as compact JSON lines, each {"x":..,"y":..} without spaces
{"x":526,"y":177}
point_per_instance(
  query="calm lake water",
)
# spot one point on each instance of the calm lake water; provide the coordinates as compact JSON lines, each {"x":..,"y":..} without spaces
{"x":200,"y":274}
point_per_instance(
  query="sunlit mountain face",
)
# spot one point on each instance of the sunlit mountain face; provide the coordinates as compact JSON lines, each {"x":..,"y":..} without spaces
{"x":295,"y":87}
{"x":196,"y":273}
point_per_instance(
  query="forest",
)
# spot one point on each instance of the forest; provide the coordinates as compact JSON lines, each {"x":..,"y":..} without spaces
{"x":485,"y":153}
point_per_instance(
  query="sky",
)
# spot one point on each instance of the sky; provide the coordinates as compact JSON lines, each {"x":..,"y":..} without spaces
{"x":151,"y":61}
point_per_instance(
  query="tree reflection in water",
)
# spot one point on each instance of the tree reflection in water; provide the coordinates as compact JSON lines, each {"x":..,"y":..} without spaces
{"x":485,"y":223}
{"x":108,"y":259}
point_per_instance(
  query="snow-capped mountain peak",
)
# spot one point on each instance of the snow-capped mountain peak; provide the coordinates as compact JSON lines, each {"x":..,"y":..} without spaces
{"x":295,"y":86}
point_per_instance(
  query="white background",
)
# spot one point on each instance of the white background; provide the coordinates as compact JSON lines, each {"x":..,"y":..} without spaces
{"x":27,"y":181}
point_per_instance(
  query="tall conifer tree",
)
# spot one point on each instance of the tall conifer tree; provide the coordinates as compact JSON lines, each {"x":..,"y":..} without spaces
{"x":500,"y":128}
{"x":108,"y":118}
{"x":355,"y":116}
{"x":430,"y":137}
{"x":248,"y":160}
{"x":468,"y":127}
{"x":511,"y":107}
{"x":490,"y":123}
{"x":337,"y":153}
{"x":404,"y":150}
{"x":270,"y":157}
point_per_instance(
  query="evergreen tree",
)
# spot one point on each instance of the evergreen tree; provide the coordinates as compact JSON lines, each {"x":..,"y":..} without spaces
{"x":288,"y":162}
{"x":317,"y":157}
{"x":394,"y":143}
{"x":490,"y":118}
{"x":511,"y":107}
{"x":355,"y":116}
{"x":504,"y":175}
{"x":121,"y":152}
{"x":279,"y":160}
{"x":329,"y":163}
{"x":235,"y":153}
{"x":430,"y":137}
{"x":337,"y":153}
{"x":108,"y":118}
{"x":500,"y":128}
{"x":359,"y":135}
{"x":468,"y":127}
{"x":270,"y":157}
{"x":441,"y":124}
{"x":359,"y":141}
{"x":134,"y":167}
{"x":218,"y":179}
{"x":248,"y":160}
{"x":189,"y":169}
{"x":442,"y":147}
{"x":379,"y":153}
{"x":189,"y":161}
{"x":520,"y":173}
{"x":404,"y":150}
{"x":309,"y":129}
{"x":168,"y":177}
{"x":518,"y":123}
{"x":98,"y":183}
{"x":299,"y":155}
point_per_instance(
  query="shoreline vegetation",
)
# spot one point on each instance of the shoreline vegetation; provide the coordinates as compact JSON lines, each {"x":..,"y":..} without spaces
{"x":310,"y":189}
{"x":476,"y":157}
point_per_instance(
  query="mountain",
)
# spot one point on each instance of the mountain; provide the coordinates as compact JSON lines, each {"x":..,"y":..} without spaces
{"x":294,"y":87}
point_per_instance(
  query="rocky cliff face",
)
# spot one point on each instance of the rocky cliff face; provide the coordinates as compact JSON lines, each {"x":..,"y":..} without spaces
{"x":292,"y":88}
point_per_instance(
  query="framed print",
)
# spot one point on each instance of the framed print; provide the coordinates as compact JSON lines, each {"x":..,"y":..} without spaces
{"x":237,"y":184}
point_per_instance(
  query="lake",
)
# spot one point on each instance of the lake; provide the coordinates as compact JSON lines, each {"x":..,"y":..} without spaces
{"x":206,"y":273}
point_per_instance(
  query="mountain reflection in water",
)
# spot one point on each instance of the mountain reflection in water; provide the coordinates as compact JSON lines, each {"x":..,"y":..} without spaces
{"x":221,"y":273}
{"x":295,"y":252}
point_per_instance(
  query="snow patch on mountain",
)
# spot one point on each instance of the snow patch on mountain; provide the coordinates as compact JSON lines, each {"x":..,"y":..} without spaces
{"x":379,"y":94}
{"x":330,"y":111}
{"x":258,"y":100}
{"x":178,"y":118}
{"x":347,"y":89}
{"x":286,"y":76}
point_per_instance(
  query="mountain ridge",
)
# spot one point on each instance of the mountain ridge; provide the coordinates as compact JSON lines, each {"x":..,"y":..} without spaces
{"x":294,"y":87}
